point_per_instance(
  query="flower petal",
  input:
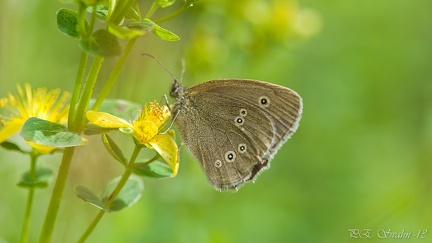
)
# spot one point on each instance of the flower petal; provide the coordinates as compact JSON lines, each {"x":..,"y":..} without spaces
{"x":104,"y":119}
{"x":166,"y":146}
{"x":43,"y":149}
{"x":10,"y":128}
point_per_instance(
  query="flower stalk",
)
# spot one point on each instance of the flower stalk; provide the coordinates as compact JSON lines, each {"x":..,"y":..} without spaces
{"x":51,"y":216}
{"x":114,"y":75}
{"x":124,"y":178}
{"x":26,"y":222}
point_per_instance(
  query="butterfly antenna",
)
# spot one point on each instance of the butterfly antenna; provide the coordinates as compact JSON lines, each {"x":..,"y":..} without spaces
{"x":183,"y":62}
{"x":163,"y":66}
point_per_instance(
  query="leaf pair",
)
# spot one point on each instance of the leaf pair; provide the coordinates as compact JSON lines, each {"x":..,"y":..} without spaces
{"x":153,"y":169}
{"x":130,"y":194}
{"x":104,"y":42}
{"x":41,"y":178}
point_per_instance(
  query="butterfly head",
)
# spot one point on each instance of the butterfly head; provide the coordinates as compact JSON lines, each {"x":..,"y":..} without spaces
{"x":177,"y":90}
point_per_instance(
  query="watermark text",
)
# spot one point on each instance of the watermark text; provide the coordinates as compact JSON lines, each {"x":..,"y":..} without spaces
{"x":387,"y":234}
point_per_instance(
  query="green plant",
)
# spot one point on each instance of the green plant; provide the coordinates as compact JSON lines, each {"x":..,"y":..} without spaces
{"x":52,"y":123}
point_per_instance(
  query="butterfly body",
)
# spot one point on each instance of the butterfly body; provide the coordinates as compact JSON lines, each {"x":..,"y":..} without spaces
{"x":234,"y":127}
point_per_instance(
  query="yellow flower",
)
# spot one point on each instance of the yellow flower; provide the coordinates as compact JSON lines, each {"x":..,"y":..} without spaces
{"x":145,"y":129}
{"x":40,"y":103}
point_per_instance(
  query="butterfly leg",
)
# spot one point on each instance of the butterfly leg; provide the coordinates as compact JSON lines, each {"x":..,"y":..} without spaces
{"x":171,"y":124}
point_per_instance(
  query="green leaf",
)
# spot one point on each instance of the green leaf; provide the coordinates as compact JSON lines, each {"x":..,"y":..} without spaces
{"x":49,"y":133}
{"x":102,"y":43}
{"x":11,"y":146}
{"x":85,"y":194}
{"x":123,"y":32}
{"x":131,"y":30}
{"x":155,"y":170}
{"x":129,"y":195}
{"x":113,"y":149}
{"x":165,"y":3}
{"x":41,"y":179}
{"x":141,"y":26}
{"x":67,"y":22}
{"x":162,"y":33}
{"x":100,"y":11}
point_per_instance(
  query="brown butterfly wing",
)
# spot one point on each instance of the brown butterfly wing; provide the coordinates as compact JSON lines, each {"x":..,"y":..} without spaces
{"x":234,"y":127}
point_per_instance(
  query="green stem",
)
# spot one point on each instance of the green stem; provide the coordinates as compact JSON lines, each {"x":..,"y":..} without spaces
{"x":152,"y":10}
{"x":25,"y":226}
{"x":114,"y":75}
{"x":124,"y":177}
{"x":138,"y":165}
{"x":92,"y":226}
{"x":92,"y":20}
{"x":172,"y":15}
{"x":77,"y":89}
{"x":137,"y":8}
{"x":114,"y":194}
{"x":82,"y":21}
{"x":80,"y":119}
{"x":51,"y":215}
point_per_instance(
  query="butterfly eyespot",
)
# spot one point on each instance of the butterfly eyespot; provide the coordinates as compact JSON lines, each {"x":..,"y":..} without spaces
{"x":242,"y":148}
{"x":264,"y":101}
{"x":230,"y":156}
{"x":243,"y":112}
{"x":239,"y":121}
{"x":218,"y":163}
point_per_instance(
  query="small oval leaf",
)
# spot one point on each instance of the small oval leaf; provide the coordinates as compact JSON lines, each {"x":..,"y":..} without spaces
{"x":155,"y":170}
{"x":67,"y":22}
{"x":129,"y":194}
{"x":85,"y":194}
{"x":11,"y":146}
{"x":41,"y":179}
{"x":113,"y":149}
{"x":100,"y":11}
{"x":162,"y":33}
{"x":48,"y":133}
{"x":125,"y":32}
{"x":102,"y":43}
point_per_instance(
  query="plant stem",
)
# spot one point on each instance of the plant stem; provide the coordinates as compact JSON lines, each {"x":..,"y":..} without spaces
{"x":172,"y":15}
{"x":78,"y":123}
{"x":80,"y":119}
{"x":51,"y":215}
{"x":125,"y":176}
{"x":152,"y":10}
{"x":25,"y":226}
{"x":114,"y":75}
{"x":114,"y":194}
{"x":92,"y":226}
{"x":77,"y":89}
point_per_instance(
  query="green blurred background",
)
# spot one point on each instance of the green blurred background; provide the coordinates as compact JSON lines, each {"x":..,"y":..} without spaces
{"x":361,"y":159}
